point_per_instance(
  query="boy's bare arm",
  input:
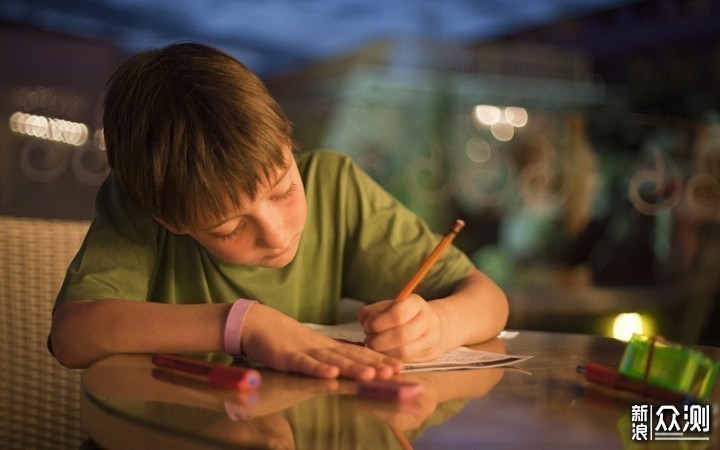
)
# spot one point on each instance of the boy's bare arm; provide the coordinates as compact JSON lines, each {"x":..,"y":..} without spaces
{"x":84,"y":331}
{"x":475,"y":312}
{"x":415,"y":329}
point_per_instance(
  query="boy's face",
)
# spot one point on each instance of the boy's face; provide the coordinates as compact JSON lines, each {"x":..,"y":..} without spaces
{"x":264,"y":232}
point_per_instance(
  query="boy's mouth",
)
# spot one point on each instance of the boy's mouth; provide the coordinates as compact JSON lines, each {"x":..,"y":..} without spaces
{"x":281,"y":253}
{"x":275,"y":254}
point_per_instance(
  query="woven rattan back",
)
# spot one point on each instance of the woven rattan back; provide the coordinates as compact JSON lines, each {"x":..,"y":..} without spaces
{"x":39,"y":399}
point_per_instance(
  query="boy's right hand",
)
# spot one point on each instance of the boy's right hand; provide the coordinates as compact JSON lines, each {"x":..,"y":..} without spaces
{"x":276,"y":340}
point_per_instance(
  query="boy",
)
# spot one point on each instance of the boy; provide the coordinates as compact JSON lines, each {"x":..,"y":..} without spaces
{"x":211,"y":233}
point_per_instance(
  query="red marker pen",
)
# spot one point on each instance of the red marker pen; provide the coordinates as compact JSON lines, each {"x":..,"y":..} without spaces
{"x":603,"y":376}
{"x":226,"y":377}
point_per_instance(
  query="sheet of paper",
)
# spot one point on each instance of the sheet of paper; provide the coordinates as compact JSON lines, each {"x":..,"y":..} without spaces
{"x":460,"y":358}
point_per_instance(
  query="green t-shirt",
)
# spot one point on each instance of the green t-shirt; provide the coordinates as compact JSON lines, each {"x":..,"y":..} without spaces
{"x":358,"y":242}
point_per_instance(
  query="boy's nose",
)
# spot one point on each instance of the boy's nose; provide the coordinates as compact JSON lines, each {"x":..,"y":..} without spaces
{"x":271,"y":233}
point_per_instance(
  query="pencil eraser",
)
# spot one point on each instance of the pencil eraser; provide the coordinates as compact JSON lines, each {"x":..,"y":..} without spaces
{"x":389,"y":390}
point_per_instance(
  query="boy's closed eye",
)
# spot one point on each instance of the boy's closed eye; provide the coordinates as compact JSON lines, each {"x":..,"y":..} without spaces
{"x":287,"y":194}
{"x":242,"y":222}
{"x":234,"y":233}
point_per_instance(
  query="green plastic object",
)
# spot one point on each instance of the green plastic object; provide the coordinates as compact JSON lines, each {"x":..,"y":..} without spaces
{"x":672,"y":366}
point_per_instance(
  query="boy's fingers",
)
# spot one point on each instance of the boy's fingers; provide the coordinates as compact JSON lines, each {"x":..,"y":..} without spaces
{"x":394,"y":314}
{"x":348,"y":366}
{"x":384,"y":365}
{"x":369,"y":311}
{"x":308,"y":365}
{"x":397,"y":337}
{"x":359,"y":362}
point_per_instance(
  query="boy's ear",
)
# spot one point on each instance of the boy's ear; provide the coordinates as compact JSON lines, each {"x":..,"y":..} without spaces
{"x":170,"y":228}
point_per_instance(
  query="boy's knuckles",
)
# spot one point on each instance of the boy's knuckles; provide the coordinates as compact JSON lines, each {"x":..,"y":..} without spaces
{"x":397,"y":315}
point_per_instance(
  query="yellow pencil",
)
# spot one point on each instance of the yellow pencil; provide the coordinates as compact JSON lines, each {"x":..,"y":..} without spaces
{"x":429,"y":261}
{"x":401,"y":439}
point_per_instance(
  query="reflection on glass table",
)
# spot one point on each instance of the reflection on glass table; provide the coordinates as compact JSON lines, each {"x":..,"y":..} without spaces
{"x":540,"y":403}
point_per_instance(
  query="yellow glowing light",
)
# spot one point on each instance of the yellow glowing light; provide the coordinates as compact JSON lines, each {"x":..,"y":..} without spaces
{"x":49,"y":128}
{"x":99,"y":139}
{"x":16,"y":122}
{"x":487,"y":114}
{"x":516,"y":116}
{"x":478,"y":150}
{"x":626,"y":324}
{"x":502,"y":131}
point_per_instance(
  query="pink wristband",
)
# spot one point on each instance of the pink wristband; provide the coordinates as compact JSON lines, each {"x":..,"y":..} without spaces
{"x":233,"y":326}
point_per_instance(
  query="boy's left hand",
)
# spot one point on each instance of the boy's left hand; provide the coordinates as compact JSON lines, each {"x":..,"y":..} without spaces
{"x":409,"y":330}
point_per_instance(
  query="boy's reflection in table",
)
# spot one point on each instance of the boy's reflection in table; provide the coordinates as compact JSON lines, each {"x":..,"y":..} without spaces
{"x":288,"y":411}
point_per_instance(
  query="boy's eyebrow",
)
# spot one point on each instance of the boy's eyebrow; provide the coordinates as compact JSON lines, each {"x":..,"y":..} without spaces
{"x":272,"y":186}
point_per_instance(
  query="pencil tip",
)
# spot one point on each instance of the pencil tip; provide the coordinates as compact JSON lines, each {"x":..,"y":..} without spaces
{"x":457,"y":226}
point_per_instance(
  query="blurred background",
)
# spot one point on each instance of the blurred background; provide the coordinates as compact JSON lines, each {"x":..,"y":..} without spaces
{"x":579,"y":140}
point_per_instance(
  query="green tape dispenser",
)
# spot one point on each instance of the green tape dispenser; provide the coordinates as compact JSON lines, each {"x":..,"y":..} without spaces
{"x":657,"y":362}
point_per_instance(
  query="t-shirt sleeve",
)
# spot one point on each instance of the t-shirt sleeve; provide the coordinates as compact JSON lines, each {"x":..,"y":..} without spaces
{"x":117,"y":257}
{"x":387,"y":243}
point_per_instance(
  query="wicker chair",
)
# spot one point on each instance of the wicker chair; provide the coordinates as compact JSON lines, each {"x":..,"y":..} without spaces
{"x":39,"y":399}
